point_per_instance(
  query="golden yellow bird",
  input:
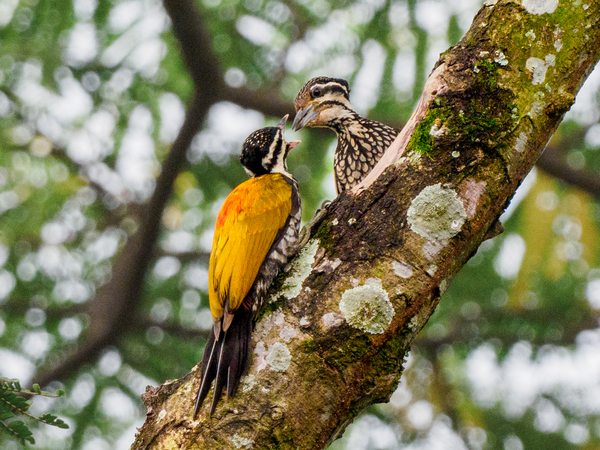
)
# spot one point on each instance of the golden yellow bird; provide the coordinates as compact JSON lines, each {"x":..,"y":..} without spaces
{"x":255,"y":234}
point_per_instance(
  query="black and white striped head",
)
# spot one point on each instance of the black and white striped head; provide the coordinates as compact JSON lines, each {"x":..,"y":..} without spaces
{"x":265,"y":151}
{"x":322,"y":102}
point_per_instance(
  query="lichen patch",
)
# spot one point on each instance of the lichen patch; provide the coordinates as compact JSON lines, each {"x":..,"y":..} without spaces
{"x":260,"y":362}
{"x":538,"y":69}
{"x":241,"y":442}
{"x":436,"y":213}
{"x":500,"y":58}
{"x":367,"y":307}
{"x":328,"y":265}
{"x":539,"y":7}
{"x":304,"y":322}
{"x":473,"y":192}
{"x":300,"y":269}
{"x":558,"y":45}
{"x":287,"y":333}
{"x":249,"y":383}
{"x":332,"y":319}
{"x":431,"y":249}
{"x":536,"y":109}
{"x":402,"y":269}
{"x":279,"y":357}
{"x":521,"y":142}
{"x":264,"y":326}
{"x":443,"y":286}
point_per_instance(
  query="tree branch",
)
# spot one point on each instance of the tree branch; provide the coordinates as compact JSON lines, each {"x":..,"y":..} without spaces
{"x":345,"y":315}
{"x":553,"y":163}
{"x":114,"y":306}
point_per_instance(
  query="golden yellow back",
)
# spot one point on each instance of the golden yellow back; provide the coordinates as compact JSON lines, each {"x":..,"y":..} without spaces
{"x":246,"y":228}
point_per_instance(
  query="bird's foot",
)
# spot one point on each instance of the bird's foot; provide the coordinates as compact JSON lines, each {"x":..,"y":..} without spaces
{"x":307,"y":230}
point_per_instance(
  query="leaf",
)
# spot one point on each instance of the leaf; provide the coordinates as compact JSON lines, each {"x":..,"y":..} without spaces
{"x":50,"y":419}
{"x":37,"y":389}
{"x":20,"y":431}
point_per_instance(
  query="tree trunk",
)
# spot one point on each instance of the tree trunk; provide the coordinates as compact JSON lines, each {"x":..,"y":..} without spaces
{"x":342,"y":318}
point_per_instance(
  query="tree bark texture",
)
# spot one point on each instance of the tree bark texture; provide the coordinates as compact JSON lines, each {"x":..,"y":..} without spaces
{"x":342,"y":317}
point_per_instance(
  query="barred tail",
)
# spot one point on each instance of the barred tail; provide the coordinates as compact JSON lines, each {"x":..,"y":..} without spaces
{"x":225,"y":360}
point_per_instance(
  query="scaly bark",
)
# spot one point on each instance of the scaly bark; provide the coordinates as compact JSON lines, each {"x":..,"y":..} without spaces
{"x":343,"y":317}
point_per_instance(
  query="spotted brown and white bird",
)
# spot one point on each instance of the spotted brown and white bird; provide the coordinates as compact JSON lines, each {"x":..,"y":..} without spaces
{"x":255,"y":234}
{"x":325,"y":103}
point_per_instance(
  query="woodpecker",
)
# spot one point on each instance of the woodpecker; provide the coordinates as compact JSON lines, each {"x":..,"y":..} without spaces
{"x":255,"y":234}
{"x":325,"y":102}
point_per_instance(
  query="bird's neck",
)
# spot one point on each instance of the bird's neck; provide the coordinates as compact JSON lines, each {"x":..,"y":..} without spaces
{"x":343,"y":123}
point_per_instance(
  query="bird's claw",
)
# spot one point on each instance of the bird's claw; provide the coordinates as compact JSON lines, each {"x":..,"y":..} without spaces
{"x":307,"y":230}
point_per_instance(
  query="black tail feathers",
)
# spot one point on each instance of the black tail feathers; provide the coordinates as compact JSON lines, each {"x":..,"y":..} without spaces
{"x":225,"y":360}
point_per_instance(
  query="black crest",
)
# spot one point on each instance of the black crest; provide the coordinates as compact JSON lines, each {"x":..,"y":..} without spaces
{"x":256,"y":149}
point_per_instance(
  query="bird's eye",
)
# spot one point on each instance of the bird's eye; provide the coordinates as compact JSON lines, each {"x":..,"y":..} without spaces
{"x":315,"y":92}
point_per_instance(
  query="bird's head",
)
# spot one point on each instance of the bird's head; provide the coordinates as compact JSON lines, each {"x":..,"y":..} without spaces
{"x":322,"y":102}
{"x":265,"y":151}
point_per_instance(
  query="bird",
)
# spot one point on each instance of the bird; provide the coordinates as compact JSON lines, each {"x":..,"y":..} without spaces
{"x":256,"y":232}
{"x":324,"y":102}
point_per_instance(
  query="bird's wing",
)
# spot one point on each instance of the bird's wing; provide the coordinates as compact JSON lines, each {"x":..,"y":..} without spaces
{"x":246,"y":228}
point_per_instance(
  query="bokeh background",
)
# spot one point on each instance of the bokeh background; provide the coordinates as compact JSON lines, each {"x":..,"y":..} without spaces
{"x":93,"y":94}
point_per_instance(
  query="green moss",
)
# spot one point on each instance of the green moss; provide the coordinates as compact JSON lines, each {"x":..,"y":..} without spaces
{"x":487,"y":72}
{"x":343,"y":357}
{"x":324,"y":235}
{"x":392,"y":356}
{"x":421,"y":141}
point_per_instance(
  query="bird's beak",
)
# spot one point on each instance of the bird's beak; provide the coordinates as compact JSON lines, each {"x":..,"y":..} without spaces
{"x":282,"y":122}
{"x":293,"y":144}
{"x":303,"y":117}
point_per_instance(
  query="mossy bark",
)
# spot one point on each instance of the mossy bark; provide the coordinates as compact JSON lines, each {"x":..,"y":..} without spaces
{"x":490,"y":112}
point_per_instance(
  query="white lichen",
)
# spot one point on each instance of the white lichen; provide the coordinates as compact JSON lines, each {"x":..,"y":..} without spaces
{"x":436,"y":130}
{"x":332,"y":319}
{"x":550,"y":60}
{"x":414,"y":323}
{"x":431,"y":249}
{"x":274,"y":319}
{"x":436,"y":213}
{"x":279,"y":357}
{"x":474,"y":190}
{"x":538,"y":69}
{"x":558,"y":45}
{"x":241,"y":442}
{"x":540,"y":6}
{"x":402,"y":269}
{"x":260,"y":362}
{"x":432,"y":269}
{"x":443,"y":286}
{"x":521,"y":142}
{"x":500,"y":58}
{"x":304,"y":322}
{"x":328,"y":265}
{"x":249,"y":383}
{"x":334,"y":222}
{"x":300,"y":270}
{"x":531,"y":35}
{"x":351,"y":221}
{"x":455,"y":154}
{"x":162,"y":414}
{"x":490,"y":2}
{"x":536,"y":109}
{"x":287,"y":333}
{"x":367,"y":307}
